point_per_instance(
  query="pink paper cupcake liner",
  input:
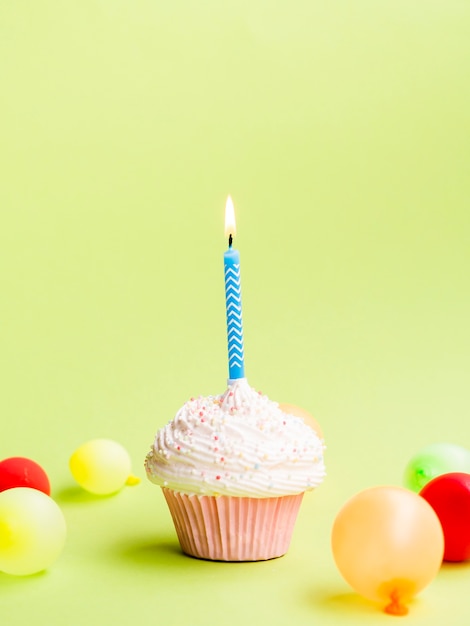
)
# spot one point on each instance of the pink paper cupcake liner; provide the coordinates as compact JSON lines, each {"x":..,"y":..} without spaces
{"x":227,"y":528}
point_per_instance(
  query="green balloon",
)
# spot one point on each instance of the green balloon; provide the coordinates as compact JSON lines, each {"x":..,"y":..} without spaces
{"x":434,"y":460}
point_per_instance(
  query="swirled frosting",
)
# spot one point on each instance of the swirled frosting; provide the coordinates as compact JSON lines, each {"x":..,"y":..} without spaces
{"x":239,"y":444}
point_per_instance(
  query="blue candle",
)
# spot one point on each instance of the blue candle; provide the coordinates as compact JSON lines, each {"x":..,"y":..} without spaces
{"x":233,"y":300}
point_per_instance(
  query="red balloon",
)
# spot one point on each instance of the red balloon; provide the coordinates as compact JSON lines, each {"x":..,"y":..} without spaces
{"x":449,"y":496}
{"x":18,"y":471}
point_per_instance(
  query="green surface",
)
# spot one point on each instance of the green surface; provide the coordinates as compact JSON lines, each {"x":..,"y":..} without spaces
{"x":341,"y":129}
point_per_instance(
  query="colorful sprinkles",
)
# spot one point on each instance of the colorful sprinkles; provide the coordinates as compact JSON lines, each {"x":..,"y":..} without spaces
{"x":263,"y":451}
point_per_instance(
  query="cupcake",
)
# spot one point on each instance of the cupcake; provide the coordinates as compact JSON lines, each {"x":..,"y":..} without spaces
{"x":233,"y":470}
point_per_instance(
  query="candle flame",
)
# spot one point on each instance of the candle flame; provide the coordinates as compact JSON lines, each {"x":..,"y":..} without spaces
{"x":230,"y":224}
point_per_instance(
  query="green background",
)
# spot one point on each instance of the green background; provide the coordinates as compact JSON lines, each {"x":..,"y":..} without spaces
{"x":341,"y":129}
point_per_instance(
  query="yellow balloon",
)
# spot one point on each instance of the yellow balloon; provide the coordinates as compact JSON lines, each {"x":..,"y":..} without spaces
{"x":388,"y":544}
{"x":102,"y":466}
{"x":292,"y":409}
{"x":32,"y":531}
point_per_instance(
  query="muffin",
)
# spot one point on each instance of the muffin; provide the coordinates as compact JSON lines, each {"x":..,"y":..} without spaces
{"x":233,"y":469}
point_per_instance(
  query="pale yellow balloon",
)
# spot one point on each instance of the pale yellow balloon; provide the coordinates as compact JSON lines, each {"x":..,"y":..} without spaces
{"x":388,"y":544}
{"x":32,"y":531}
{"x":292,"y":409}
{"x":102,"y":466}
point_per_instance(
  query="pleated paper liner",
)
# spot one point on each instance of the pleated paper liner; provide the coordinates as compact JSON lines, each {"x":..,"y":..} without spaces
{"x":228,"y":528}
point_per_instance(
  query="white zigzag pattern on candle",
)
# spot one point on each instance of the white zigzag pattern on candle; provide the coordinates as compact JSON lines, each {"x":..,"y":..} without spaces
{"x":237,"y":333}
{"x":234,"y":315}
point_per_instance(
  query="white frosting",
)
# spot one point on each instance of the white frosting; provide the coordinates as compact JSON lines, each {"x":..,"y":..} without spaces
{"x":237,"y":444}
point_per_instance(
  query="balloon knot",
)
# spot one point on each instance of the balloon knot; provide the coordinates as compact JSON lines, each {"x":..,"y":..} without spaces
{"x":132,"y":481}
{"x":395,"y":607}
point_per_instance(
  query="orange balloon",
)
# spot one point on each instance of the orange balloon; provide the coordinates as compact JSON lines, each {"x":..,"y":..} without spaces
{"x":292,"y":409}
{"x":388,"y":544}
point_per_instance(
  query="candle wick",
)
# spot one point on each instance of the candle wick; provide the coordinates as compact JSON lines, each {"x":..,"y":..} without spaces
{"x":230,"y":240}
